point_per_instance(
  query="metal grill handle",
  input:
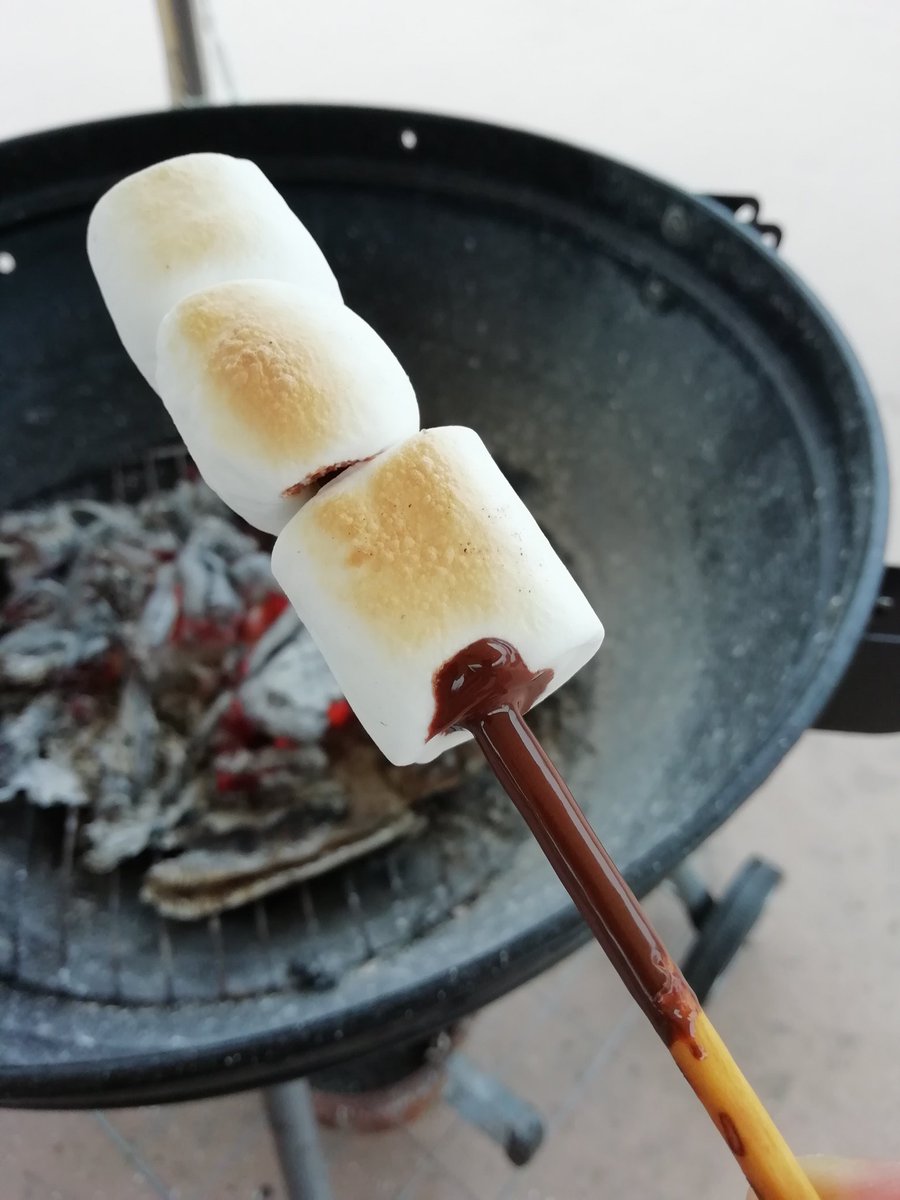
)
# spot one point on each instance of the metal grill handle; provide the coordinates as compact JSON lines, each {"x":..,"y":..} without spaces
{"x":185,"y":56}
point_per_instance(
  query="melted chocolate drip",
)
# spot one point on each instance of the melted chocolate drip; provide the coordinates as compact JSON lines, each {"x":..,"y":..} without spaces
{"x":487,"y":675}
{"x":318,"y":479}
{"x":486,"y":688}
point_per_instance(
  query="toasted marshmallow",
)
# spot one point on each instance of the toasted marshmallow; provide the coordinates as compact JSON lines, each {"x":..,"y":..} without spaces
{"x":185,"y":224}
{"x":399,"y":564}
{"x":272,"y":388}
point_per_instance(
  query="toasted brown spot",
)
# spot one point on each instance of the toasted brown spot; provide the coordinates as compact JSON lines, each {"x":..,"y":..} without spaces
{"x":418,"y":553}
{"x":185,"y":210}
{"x":265,"y":375}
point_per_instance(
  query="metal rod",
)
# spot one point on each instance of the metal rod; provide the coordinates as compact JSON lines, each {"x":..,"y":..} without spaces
{"x":310,"y":918}
{"x":487,"y":1104}
{"x":20,"y":885}
{"x":185,"y":60}
{"x":67,"y":868}
{"x":115,"y":939}
{"x":167,"y":960}
{"x":354,"y":903}
{"x":264,"y":937}
{"x":214,"y":928}
{"x":292,"y":1118}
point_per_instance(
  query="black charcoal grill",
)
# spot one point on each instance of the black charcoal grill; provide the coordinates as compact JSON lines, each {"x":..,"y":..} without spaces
{"x":684,"y":419}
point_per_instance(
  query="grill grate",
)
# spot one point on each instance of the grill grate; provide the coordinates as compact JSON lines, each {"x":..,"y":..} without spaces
{"x":73,"y":934}
{"x":69,"y":933}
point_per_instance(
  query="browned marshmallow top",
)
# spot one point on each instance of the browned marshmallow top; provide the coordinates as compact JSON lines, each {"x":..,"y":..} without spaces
{"x":419,"y":539}
{"x":267,"y":381}
{"x":184,"y":210}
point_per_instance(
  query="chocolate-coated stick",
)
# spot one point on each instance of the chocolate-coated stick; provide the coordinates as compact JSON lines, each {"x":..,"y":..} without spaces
{"x":483,"y":690}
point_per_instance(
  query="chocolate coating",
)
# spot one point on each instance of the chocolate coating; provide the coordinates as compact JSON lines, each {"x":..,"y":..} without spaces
{"x":486,"y":688}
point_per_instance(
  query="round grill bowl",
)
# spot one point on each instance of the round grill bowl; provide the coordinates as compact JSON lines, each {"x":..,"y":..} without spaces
{"x":681,"y":415}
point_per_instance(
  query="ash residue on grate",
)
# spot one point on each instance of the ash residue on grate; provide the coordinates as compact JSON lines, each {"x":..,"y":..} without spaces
{"x":153,"y":678}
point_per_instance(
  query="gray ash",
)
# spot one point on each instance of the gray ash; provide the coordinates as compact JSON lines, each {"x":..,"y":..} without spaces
{"x":153,"y":676}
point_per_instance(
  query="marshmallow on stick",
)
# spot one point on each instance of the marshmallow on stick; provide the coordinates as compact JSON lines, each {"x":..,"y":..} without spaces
{"x":185,"y":224}
{"x":402,"y":560}
{"x":271,"y":388}
{"x":400,"y":563}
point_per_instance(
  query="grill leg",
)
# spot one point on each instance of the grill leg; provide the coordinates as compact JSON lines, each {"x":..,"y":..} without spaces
{"x":485,"y":1103}
{"x":293,"y":1122}
{"x":724,"y":922}
{"x":692,"y":892}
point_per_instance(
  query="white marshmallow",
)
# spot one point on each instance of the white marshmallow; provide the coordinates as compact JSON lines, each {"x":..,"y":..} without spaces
{"x":185,"y":224}
{"x":271,"y":386}
{"x":402,"y":562}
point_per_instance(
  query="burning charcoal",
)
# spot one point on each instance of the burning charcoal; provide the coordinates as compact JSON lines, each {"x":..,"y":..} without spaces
{"x":128,"y":752}
{"x":21,"y":738}
{"x":104,"y":578}
{"x":350,"y":812}
{"x":77,"y":732}
{"x":186,"y":760}
{"x":112,"y":841}
{"x":266,"y":805}
{"x":176,"y":817}
{"x":290,"y":695}
{"x":160,"y":612}
{"x":34,"y":654}
{"x":96,"y":515}
{"x":45,"y":783}
{"x":24,"y":771}
{"x":221,"y":537}
{"x":286,"y":627}
{"x":135,"y":558}
{"x":359,"y":765}
{"x":208,"y":595}
{"x":259,"y":618}
{"x":34,"y":600}
{"x":223,"y":602}
{"x":100,"y":525}
{"x":251,"y":574}
{"x":214,"y":740}
{"x":178,"y":510}
{"x":193,"y":575}
{"x":40,"y":541}
{"x":300,"y":764}
{"x":121,"y":835}
{"x":254,"y":789}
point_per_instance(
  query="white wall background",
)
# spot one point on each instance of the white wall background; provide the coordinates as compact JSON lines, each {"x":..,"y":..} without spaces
{"x":797,"y":101}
